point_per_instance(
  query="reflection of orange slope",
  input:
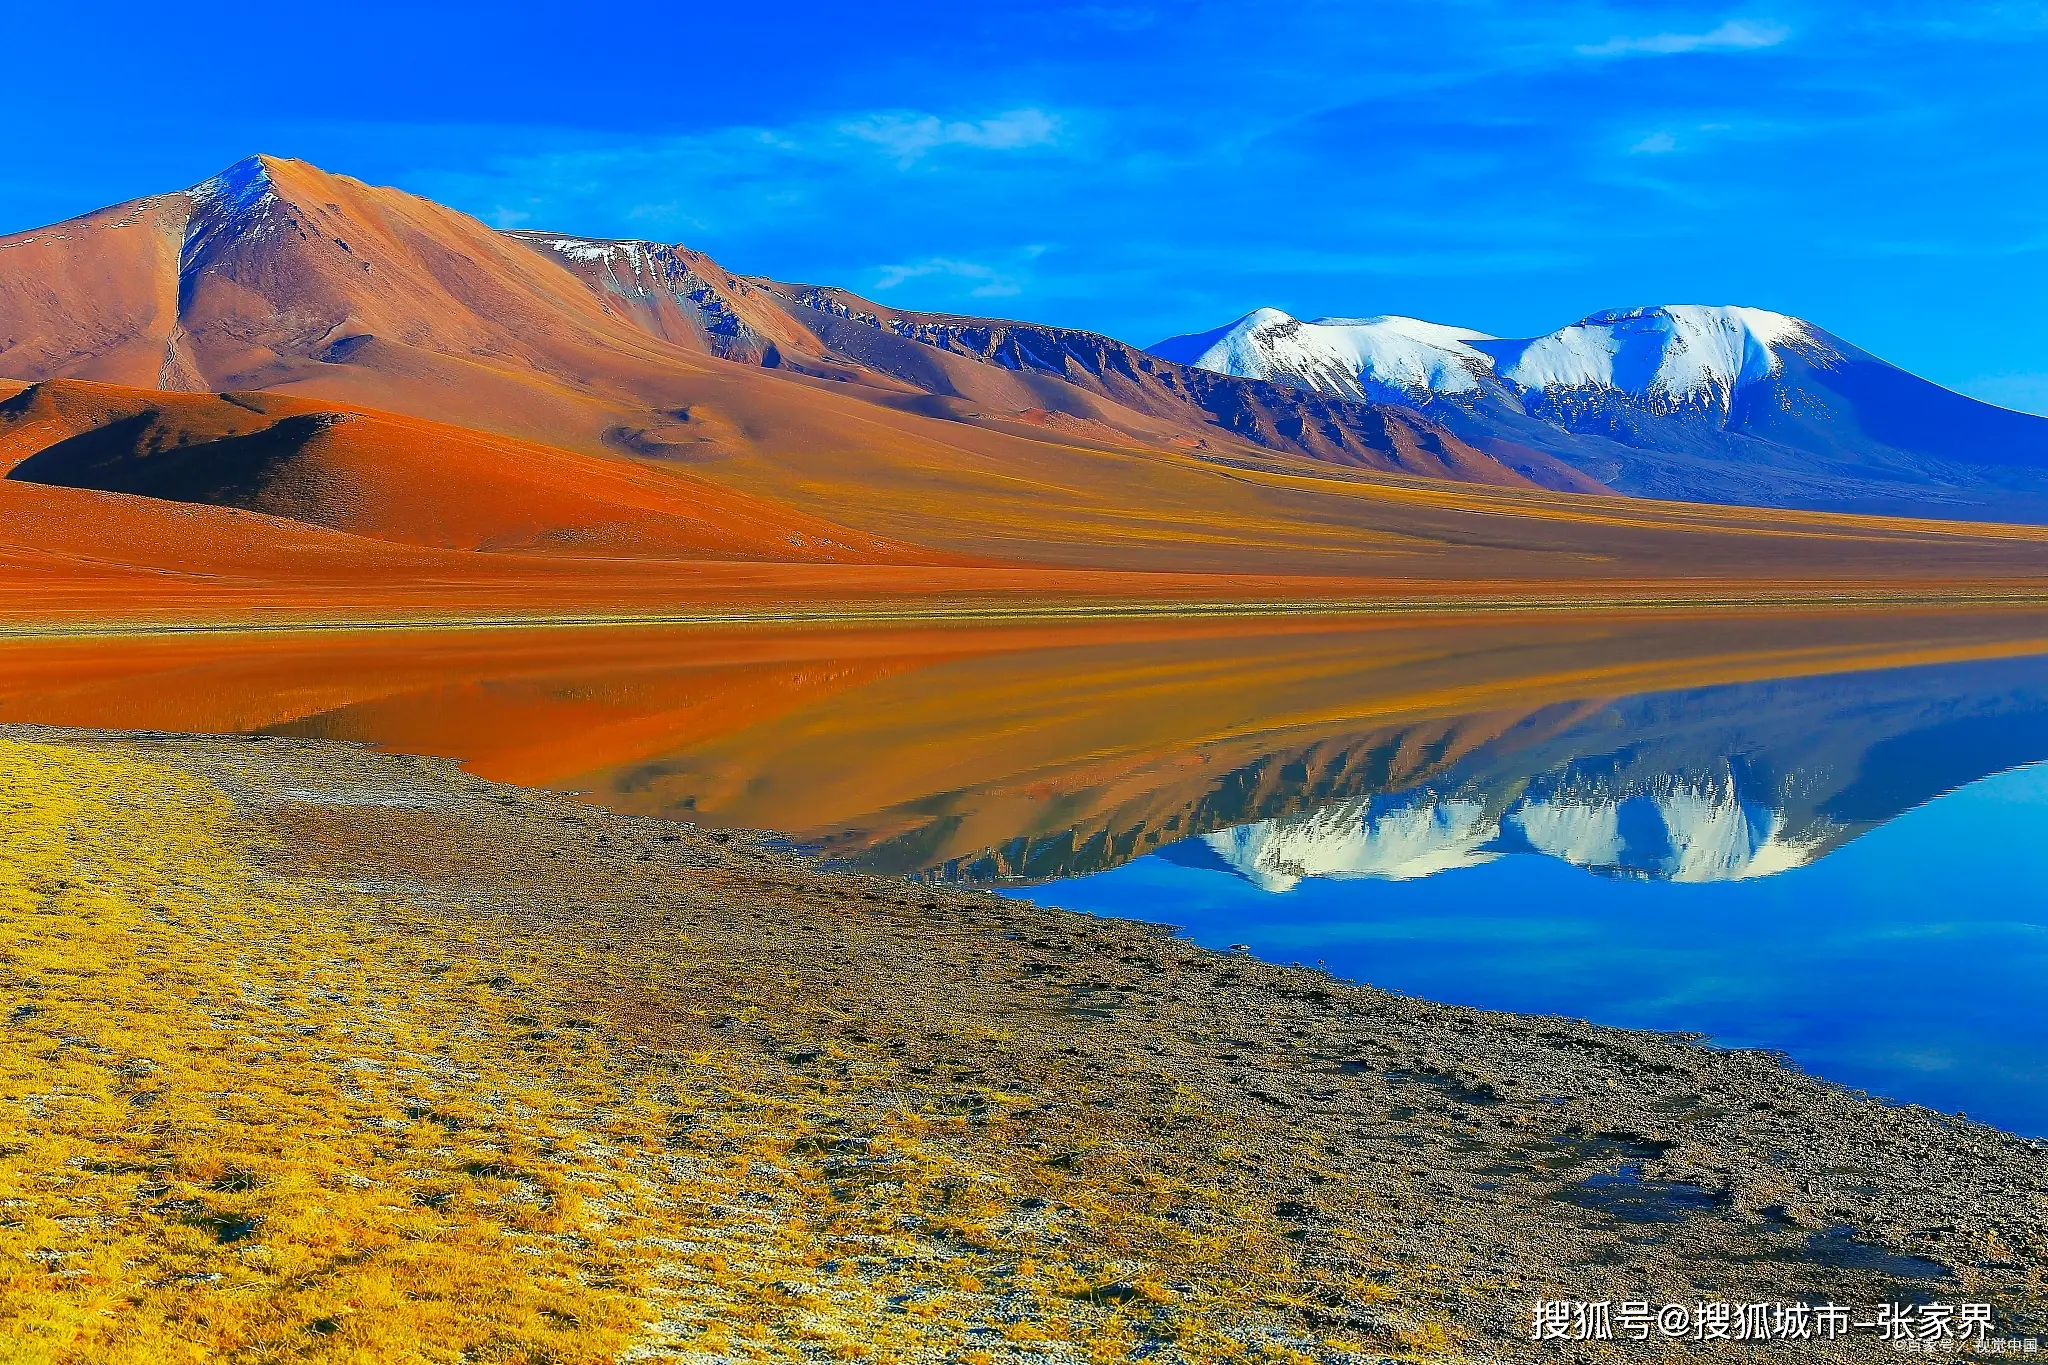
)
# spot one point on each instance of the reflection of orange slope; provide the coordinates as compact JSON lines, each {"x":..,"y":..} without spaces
{"x":1040,"y":738}
{"x":951,"y":740}
{"x":548,"y":723}
{"x":541,"y":704}
{"x":1122,"y":732}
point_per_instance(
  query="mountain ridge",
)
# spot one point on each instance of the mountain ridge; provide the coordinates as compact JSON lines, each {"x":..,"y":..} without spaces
{"x":276,"y":275}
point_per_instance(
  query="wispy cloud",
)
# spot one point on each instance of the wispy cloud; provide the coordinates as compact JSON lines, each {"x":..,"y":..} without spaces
{"x":988,"y":282}
{"x":908,"y":137}
{"x":739,"y":179}
{"x":1656,"y":144}
{"x":1736,"y":35}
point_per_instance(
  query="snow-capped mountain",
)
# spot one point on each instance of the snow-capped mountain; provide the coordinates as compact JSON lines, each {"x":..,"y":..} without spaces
{"x":1675,"y":357}
{"x":1693,"y":401}
{"x":1678,"y":357}
{"x":1384,"y":359}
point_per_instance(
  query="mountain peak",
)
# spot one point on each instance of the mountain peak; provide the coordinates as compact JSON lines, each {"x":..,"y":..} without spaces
{"x":1682,"y":354}
{"x":1376,"y":358}
{"x":246,"y":180}
{"x":239,"y":202}
{"x":1669,"y":354}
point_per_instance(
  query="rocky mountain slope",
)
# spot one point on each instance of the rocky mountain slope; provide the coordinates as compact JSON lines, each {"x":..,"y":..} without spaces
{"x":277,"y":276}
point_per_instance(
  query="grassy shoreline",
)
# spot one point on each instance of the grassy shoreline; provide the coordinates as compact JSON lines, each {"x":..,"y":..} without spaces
{"x":325,"y":1053}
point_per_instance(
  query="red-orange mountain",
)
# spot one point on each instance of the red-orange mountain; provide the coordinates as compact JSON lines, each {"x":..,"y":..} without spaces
{"x":287,"y":390}
{"x":278,"y":276}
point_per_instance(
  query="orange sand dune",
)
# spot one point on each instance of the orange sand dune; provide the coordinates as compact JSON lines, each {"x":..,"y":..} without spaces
{"x":396,"y":479}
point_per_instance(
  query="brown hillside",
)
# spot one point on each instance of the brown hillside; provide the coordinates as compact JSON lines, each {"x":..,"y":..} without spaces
{"x":397,"y":479}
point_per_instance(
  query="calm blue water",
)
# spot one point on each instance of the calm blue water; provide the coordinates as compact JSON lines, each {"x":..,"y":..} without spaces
{"x":1911,"y":961}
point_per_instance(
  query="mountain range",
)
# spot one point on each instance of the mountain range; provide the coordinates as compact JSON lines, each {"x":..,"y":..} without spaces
{"x":276,"y":276}
{"x":1712,"y":404}
{"x":287,"y":390}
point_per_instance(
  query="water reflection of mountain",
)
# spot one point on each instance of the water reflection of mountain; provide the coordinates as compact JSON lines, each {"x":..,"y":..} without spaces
{"x":1705,"y":785}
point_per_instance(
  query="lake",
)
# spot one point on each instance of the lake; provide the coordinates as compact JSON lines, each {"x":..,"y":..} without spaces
{"x":1847,"y":904}
{"x":1820,"y":835}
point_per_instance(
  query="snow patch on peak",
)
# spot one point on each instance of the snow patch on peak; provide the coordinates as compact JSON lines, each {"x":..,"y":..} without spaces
{"x":1675,"y":353}
{"x":1760,"y":323}
{"x":235,"y":204}
{"x":628,"y":266}
{"x":1365,"y":358}
{"x":1413,"y":329}
{"x":591,"y":249}
{"x":240,"y":189}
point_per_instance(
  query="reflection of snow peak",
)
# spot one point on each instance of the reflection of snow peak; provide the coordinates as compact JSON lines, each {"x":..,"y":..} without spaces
{"x":1681,"y":829}
{"x":1355,"y":840}
{"x":1685,"y":832}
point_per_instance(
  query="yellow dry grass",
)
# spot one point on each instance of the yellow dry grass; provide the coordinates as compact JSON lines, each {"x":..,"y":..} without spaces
{"x":237,"y":1124}
{"x":247,"y":1116}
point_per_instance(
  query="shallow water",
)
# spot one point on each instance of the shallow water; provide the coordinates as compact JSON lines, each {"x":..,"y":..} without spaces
{"x":1832,"y":868}
{"x":1910,"y":962}
{"x":1697,"y":826}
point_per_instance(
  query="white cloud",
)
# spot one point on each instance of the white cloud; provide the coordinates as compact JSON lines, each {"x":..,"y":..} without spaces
{"x":1736,"y":35}
{"x":988,"y":281}
{"x":909,"y":136}
{"x":1656,"y":144}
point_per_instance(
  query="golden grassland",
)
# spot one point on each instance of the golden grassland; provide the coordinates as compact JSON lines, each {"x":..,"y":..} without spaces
{"x":253,"y":1111}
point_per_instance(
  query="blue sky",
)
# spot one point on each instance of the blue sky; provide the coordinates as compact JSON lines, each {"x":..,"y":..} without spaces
{"x":1141,"y":170}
